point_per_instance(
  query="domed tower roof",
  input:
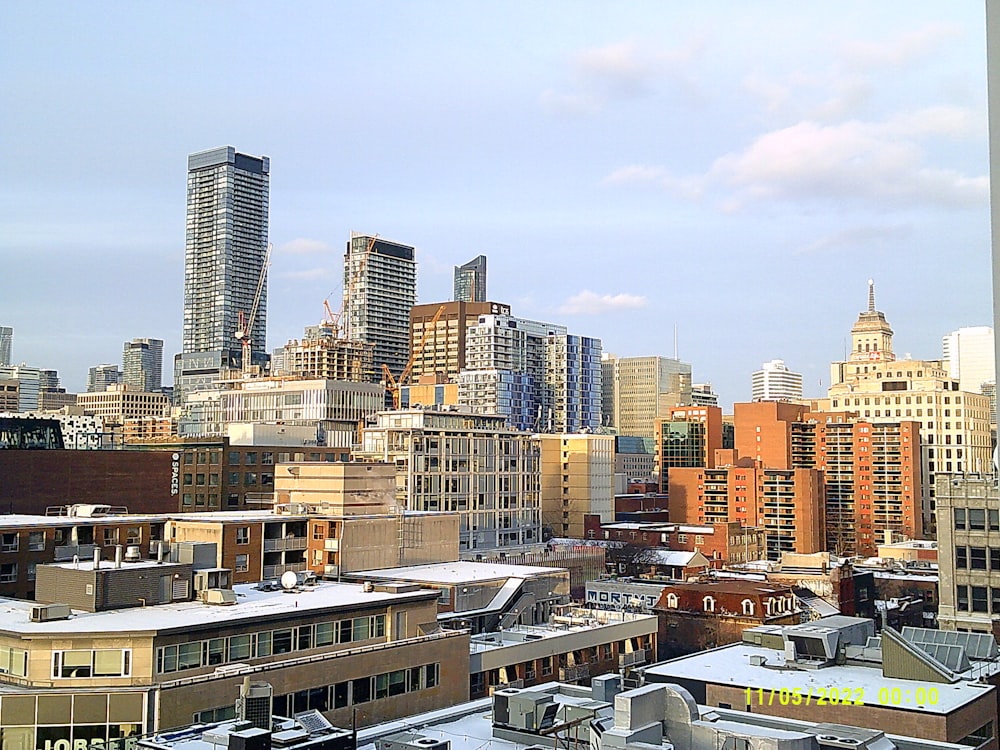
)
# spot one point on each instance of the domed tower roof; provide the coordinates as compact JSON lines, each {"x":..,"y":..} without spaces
{"x":871,"y":336}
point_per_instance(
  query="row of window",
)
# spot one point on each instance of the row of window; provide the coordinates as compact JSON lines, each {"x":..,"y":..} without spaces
{"x":105,"y":662}
{"x":976,"y":519}
{"x":237,"y":648}
{"x":974,"y":558}
{"x":978,"y":599}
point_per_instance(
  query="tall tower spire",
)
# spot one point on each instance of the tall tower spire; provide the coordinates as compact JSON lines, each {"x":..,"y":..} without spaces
{"x":871,"y":295}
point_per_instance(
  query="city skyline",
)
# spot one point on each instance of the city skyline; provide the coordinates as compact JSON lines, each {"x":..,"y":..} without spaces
{"x":699,"y":212}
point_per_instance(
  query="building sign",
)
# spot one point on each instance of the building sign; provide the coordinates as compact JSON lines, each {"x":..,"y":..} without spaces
{"x":175,"y":487}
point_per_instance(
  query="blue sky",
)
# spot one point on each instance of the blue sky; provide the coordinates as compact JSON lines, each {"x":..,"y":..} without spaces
{"x":737,"y":170}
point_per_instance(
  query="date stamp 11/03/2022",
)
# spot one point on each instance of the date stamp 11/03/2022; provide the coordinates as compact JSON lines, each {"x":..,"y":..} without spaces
{"x":846,"y":696}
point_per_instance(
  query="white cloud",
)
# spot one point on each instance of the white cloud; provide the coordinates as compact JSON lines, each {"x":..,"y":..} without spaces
{"x":902,"y":50}
{"x":880,"y":163}
{"x":304,"y":246}
{"x":854,"y":237}
{"x":590,"y":303}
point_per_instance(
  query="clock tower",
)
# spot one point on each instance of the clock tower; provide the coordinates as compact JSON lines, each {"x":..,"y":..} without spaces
{"x":871,"y":336}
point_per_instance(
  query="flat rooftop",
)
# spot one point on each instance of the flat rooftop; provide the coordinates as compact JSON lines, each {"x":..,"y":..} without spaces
{"x":251,"y":605}
{"x":730,"y":665}
{"x":462,"y":571}
{"x":576,"y":621}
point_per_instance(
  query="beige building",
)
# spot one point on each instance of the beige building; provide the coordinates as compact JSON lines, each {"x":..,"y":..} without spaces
{"x":118,"y":404}
{"x":577,"y":480}
{"x":101,"y":675}
{"x":9,"y":394}
{"x":323,"y":354}
{"x":452,"y":460}
{"x":954,"y":424}
{"x":444,"y":350}
{"x":636,"y":391}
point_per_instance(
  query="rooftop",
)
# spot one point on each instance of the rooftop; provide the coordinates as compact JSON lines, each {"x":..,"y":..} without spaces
{"x":461,"y":571}
{"x":252,"y":604}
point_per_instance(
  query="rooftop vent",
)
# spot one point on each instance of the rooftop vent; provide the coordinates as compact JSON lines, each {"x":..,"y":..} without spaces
{"x":49,"y":612}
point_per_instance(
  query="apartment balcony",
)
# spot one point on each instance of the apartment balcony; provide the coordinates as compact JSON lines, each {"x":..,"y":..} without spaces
{"x":574,"y":673}
{"x":285,"y":543}
{"x":276,"y":571}
{"x":634,"y":659}
{"x":69,"y":551}
{"x":331,"y":545}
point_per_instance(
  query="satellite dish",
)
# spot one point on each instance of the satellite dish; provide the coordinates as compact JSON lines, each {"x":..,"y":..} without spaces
{"x":289,"y":580}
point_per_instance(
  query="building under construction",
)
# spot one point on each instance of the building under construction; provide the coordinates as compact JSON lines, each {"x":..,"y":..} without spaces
{"x":322,"y":353}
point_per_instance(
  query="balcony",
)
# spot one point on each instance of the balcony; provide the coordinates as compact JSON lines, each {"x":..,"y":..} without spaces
{"x":572,"y":674}
{"x":331,"y":545}
{"x":275,"y":571}
{"x":69,"y":551}
{"x":285,"y":543}
{"x":633,"y":659}
{"x":331,"y":571}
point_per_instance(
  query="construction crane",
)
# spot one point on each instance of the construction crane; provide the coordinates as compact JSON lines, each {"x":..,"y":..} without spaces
{"x":244,"y":330}
{"x":344,"y":318}
{"x":391,"y":384}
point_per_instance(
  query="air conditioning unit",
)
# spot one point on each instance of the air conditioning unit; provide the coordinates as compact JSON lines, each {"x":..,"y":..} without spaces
{"x":49,"y":612}
{"x":411,"y":741}
{"x":217,"y":596}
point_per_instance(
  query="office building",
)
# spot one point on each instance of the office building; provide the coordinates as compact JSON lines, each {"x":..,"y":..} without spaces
{"x":470,"y":281}
{"x":445,"y":336}
{"x":577,"y":480}
{"x":454,"y":460}
{"x":954,"y":424}
{"x":902,"y":679}
{"x":10,"y":394}
{"x":29,"y":384}
{"x":775,"y":382}
{"x":703,"y":395}
{"x":100,"y":377}
{"x":689,"y":437}
{"x":225,"y":250}
{"x":968,"y":354}
{"x":142,"y":365}
{"x":637,"y":391}
{"x":175,"y":654}
{"x":117,"y":403}
{"x":380,"y":287}
{"x":6,"y":345}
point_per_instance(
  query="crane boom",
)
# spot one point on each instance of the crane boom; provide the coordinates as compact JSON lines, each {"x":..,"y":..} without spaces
{"x":393,"y":385}
{"x":245,"y":327}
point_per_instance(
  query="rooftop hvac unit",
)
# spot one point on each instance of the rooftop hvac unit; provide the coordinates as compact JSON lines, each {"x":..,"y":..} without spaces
{"x":212,"y":578}
{"x":217,"y":596}
{"x":49,"y":612}
{"x":132,"y":553}
{"x":411,"y":741}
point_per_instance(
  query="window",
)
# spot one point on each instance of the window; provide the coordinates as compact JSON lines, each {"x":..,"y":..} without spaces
{"x":13,"y":661}
{"x":709,"y":603}
{"x":994,"y":519}
{"x":979,"y":603}
{"x":963,"y":598}
{"x":672,"y":601}
{"x":961,"y":558}
{"x":242,"y":563}
{"x":243,"y":535}
{"x":250,"y":459}
{"x":267,"y":458}
{"x":113,"y":662}
{"x":36,"y":541}
{"x":133,"y":535}
{"x":977,"y":558}
{"x":747,"y":607}
{"x":977,"y":518}
{"x":234,"y":458}
{"x":994,"y":558}
{"x":8,"y":573}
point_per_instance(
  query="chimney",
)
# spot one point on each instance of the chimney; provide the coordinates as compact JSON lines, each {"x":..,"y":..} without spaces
{"x":97,"y":558}
{"x":118,"y":555}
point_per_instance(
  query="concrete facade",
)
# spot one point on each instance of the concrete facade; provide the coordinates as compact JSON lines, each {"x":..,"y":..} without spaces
{"x":577,"y":480}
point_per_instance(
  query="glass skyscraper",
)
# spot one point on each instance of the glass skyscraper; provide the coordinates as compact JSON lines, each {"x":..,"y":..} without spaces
{"x":142,"y":364}
{"x":470,"y":281}
{"x":226,"y":244}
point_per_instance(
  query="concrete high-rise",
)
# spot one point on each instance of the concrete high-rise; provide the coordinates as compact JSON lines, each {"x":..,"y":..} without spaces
{"x":6,"y":343}
{"x":380,"y":288}
{"x":969,"y":355}
{"x":775,"y":382}
{"x":470,"y":280}
{"x":638,"y":390}
{"x":226,"y":245}
{"x":142,"y":365}
{"x":99,"y":377}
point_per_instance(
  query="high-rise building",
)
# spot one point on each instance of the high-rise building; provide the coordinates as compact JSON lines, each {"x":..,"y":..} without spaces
{"x":6,"y":344}
{"x":444,"y":349}
{"x":29,"y":384}
{"x":775,"y":382}
{"x":638,"y":390}
{"x":99,"y":377}
{"x":225,"y":250}
{"x":969,"y":356}
{"x":322,"y":353}
{"x":571,"y":399}
{"x":142,"y":364}
{"x":470,"y":280}
{"x":380,"y":288}
{"x":954,"y":424}
{"x":577,"y":480}
{"x":689,"y":437}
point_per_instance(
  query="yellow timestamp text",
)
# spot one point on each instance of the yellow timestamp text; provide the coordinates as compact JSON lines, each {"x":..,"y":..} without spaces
{"x":816,"y":696}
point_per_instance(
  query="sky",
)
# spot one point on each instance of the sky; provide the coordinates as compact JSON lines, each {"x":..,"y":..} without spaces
{"x":718,"y":179}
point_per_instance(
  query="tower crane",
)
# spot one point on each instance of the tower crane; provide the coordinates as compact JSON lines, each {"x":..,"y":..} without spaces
{"x":393,"y":385}
{"x":244,"y":330}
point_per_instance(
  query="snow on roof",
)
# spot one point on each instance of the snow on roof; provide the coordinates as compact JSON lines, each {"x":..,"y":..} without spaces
{"x":730,"y":665}
{"x":462,"y":571}
{"x":252,"y":605}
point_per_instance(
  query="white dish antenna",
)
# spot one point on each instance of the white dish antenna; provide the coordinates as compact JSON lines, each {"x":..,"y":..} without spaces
{"x":289,"y":580}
